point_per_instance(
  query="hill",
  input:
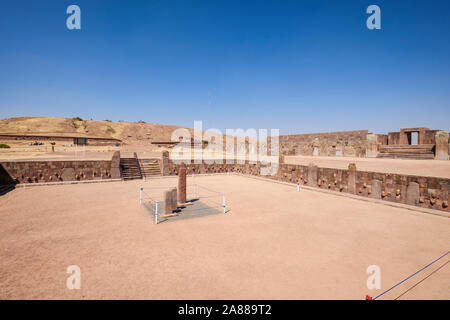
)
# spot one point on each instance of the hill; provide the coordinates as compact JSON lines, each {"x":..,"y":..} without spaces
{"x":140,"y":133}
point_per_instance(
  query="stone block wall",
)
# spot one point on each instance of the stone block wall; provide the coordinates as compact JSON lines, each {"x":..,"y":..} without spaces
{"x":346,"y":143}
{"x":427,"y":192}
{"x":54,"y":171}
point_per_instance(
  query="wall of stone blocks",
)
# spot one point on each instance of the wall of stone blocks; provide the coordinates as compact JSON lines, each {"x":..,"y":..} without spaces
{"x":427,"y":192}
{"x":54,"y":171}
{"x":346,"y":143}
{"x":92,"y":141}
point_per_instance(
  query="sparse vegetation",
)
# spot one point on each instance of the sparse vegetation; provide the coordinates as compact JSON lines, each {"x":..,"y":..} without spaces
{"x":110,"y":130}
{"x":77,"y":119}
{"x":141,"y":121}
{"x":4,"y":146}
{"x":74,"y":124}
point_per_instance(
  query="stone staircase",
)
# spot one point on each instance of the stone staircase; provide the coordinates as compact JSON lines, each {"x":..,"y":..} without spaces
{"x":4,"y":189}
{"x":150,"y":167}
{"x":130,"y":169}
{"x":420,"y":151}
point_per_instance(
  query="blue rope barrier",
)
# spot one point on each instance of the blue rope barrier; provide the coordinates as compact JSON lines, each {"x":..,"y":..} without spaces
{"x":411,"y":275}
{"x":208,"y":189}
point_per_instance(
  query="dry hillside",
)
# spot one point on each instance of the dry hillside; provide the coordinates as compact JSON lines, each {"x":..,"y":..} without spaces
{"x":128,"y":132}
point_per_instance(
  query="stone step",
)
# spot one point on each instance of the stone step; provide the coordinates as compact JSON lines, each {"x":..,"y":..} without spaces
{"x":405,"y":156}
{"x":4,"y":189}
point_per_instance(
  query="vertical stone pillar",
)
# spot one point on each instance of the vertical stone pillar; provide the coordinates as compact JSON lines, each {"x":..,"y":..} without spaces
{"x":351,"y":187}
{"x":371,"y":146}
{"x":165,"y":163}
{"x":441,"y":145}
{"x":376,"y":189}
{"x":168,"y":202}
{"x":403,"y":138}
{"x":174,"y":199}
{"x":115,"y":165}
{"x":312,"y":175}
{"x":182,"y":184}
{"x":445,"y":194}
{"x":412,"y":193}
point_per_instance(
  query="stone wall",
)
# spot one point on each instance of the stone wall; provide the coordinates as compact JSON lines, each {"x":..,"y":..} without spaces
{"x":427,"y":192}
{"x":92,"y":141}
{"x":54,"y":171}
{"x":346,"y":143}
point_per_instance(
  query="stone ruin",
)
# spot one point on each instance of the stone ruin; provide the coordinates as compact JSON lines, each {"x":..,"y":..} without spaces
{"x":429,"y":144}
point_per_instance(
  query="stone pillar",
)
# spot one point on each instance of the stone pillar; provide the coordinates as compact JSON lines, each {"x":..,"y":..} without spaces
{"x":115,"y":165}
{"x":68,"y":174}
{"x":351,"y":187}
{"x":403,"y":139}
{"x":376,"y":189}
{"x":315,"y":152}
{"x":441,"y":145}
{"x":182,"y":184}
{"x":174,"y":198}
{"x":167,"y":202}
{"x":170,"y":201}
{"x":371,"y":146}
{"x":165,"y":163}
{"x":412,"y":193}
{"x":312,"y":175}
{"x":339,"y":152}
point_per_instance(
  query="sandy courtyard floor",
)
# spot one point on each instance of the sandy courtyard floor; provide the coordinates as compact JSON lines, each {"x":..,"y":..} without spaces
{"x":274,"y":243}
{"x":430,"y":168}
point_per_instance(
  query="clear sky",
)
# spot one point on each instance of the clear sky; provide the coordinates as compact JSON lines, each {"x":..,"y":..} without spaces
{"x":300,"y":66}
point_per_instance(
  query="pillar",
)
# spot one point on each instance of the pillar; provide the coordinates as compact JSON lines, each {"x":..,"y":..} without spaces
{"x":441,"y":146}
{"x":182,"y":184}
{"x":351,"y":187}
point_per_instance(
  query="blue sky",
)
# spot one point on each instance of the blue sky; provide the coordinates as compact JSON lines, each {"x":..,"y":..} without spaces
{"x":300,"y":66}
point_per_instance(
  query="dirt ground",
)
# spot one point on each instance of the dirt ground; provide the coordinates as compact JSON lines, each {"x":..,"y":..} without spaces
{"x":431,"y":168}
{"x":274,"y":243}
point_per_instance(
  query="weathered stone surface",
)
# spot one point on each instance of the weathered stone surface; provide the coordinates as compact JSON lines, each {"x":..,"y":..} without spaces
{"x":376,"y":189}
{"x":165,"y":163}
{"x":182,"y":185}
{"x":372,"y":146}
{"x":170,"y":201}
{"x":316,"y":151}
{"x":442,"y":145}
{"x":412,"y":193}
{"x":68,"y":174}
{"x":312,"y":175}
{"x":115,"y":165}
{"x":351,"y":187}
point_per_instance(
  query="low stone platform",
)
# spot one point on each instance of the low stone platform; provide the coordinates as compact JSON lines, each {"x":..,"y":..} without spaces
{"x":422,"y":151}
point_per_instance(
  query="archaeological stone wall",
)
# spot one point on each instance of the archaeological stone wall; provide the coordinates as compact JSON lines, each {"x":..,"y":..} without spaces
{"x":92,"y":141}
{"x":427,"y":192}
{"x":14,"y":172}
{"x":345,"y":143}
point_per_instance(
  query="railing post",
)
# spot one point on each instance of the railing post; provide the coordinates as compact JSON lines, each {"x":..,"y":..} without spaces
{"x":140,"y":195}
{"x":156,"y":213}
{"x":223,"y":203}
